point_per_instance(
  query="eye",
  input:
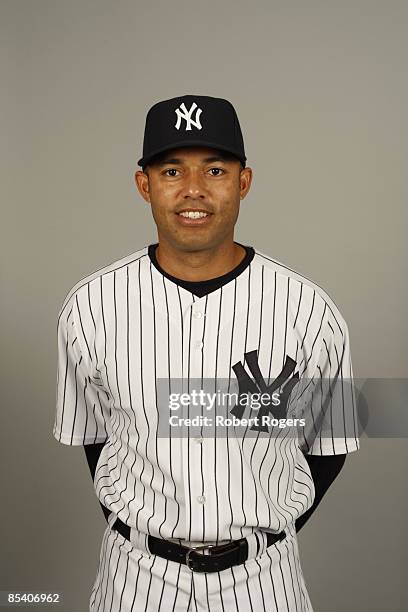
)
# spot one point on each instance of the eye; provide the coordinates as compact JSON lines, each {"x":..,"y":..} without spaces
{"x":170,"y":170}
{"x":216,"y":169}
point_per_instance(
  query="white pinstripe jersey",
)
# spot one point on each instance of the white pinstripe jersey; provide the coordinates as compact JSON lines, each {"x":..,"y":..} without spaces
{"x":126,"y":325}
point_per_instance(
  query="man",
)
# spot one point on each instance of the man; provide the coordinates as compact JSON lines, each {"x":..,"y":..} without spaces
{"x":198,"y":520}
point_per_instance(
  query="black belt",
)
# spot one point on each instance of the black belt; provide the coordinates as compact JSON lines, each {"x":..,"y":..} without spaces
{"x":219,"y":557}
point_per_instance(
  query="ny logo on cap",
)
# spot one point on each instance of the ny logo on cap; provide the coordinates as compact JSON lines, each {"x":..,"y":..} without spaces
{"x":186,"y":115}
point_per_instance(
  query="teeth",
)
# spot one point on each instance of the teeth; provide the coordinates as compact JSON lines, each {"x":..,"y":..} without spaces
{"x":193,"y":214}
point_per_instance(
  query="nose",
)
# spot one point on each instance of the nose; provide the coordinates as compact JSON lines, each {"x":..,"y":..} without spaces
{"x":194,"y":185}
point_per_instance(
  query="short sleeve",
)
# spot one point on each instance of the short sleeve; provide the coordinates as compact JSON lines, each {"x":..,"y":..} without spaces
{"x":82,"y":405}
{"x":330,"y":411}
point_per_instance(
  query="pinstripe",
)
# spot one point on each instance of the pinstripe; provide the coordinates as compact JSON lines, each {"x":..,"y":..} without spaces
{"x":249,"y":309}
{"x":201,"y":446}
{"x":241,"y":448}
{"x":217,"y":348}
{"x":189,"y":522}
{"x":231,"y":522}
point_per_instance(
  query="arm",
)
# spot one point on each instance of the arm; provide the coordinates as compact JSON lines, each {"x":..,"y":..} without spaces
{"x":331,"y":417}
{"x":92,"y":452}
{"x":324,"y":470}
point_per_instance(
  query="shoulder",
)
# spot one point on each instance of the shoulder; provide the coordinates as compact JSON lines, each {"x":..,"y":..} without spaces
{"x":83,"y":284}
{"x":303,"y":287}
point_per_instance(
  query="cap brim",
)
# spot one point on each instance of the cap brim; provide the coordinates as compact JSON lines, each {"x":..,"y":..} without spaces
{"x":143,"y":161}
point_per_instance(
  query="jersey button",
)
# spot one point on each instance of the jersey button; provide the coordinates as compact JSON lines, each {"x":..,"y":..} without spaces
{"x":199,"y":440}
{"x":201,"y":499}
{"x":198,"y":315}
{"x":199,"y":344}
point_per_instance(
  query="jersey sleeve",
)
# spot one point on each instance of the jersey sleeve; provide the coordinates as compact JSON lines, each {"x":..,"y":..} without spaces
{"x":82,"y":405}
{"x":330,"y":411}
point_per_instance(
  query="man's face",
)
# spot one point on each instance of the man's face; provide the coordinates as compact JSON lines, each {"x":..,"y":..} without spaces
{"x":194,"y":179}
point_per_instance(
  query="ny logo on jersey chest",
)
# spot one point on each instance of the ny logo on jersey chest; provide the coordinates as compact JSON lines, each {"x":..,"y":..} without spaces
{"x":246,"y":385}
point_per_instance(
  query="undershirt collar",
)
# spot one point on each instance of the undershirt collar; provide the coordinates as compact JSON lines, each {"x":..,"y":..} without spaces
{"x":201,"y":288}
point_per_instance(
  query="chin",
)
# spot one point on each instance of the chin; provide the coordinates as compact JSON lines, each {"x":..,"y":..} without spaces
{"x":192,"y":243}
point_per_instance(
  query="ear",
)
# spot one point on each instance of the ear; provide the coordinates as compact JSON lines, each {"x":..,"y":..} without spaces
{"x":245,"y":181}
{"x":142,"y":184}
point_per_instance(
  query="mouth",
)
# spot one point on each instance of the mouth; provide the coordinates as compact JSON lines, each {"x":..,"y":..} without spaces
{"x":196,"y":216}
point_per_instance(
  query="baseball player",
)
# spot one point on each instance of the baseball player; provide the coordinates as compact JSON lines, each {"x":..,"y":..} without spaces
{"x":197,"y":520}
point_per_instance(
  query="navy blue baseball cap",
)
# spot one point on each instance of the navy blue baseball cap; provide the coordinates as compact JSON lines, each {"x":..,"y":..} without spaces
{"x":192,"y":121}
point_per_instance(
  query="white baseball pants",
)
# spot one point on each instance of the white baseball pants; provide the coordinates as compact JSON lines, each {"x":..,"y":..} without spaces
{"x":131,"y":579}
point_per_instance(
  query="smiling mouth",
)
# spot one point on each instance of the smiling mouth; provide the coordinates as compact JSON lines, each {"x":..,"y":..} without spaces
{"x":194,"y":217}
{"x":194,"y":214}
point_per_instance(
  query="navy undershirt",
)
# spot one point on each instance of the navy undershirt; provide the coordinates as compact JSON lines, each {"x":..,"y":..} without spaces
{"x":201,"y":288}
{"x":323,"y":469}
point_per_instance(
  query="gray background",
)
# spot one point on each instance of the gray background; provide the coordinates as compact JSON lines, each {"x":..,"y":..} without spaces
{"x":321,"y":92}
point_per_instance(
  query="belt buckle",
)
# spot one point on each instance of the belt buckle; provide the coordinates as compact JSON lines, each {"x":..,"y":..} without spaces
{"x":193,"y":548}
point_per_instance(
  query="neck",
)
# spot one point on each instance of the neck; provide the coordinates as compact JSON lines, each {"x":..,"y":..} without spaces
{"x":197,"y":265}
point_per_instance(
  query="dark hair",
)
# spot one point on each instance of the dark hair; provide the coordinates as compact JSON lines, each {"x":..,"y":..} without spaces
{"x":225,"y":154}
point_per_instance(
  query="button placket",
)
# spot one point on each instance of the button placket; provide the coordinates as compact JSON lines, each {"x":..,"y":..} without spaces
{"x":194,"y":443}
